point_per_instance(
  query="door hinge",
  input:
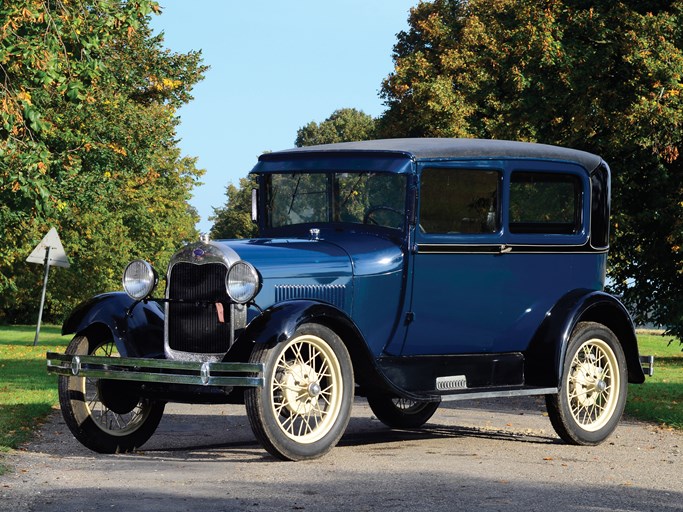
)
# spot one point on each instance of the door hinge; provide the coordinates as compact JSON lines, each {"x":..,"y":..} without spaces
{"x":410,"y":316}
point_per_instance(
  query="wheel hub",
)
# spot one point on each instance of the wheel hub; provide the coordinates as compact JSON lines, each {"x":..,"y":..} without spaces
{"x":314,"y":389}
{"x":301,"y":389}
{"x":588,"y":384}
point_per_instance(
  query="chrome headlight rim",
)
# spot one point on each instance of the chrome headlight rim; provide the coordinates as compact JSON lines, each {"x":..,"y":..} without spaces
{"x":139,"y":279}
{"x":242,"y":282}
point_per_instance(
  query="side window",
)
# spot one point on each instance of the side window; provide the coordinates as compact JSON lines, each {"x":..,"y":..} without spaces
{"x":459,"y":201}
{"x":545,"y":203}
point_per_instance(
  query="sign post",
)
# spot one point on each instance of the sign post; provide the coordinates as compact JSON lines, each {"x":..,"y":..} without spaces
{"x":48,"y":252}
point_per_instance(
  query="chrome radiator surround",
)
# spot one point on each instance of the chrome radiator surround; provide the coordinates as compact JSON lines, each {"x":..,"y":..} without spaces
{"x":200,"y":312}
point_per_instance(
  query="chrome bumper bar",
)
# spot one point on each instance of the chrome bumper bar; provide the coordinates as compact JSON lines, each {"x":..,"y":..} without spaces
{"x":648,"y":365}
{"x":156,"y":370}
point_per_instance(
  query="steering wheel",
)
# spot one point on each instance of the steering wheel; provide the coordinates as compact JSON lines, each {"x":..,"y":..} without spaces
{"x":371,"y":211}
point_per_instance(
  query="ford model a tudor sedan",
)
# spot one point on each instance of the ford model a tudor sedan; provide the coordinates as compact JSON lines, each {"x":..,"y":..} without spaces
{"x":408,"y":271}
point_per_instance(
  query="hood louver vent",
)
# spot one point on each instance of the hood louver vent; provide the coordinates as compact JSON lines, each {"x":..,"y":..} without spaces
{"x":331,"y":293}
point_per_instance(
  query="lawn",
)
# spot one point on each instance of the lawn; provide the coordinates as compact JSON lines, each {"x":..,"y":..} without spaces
{"x":27,"y":392}
{"x":660,"y":399}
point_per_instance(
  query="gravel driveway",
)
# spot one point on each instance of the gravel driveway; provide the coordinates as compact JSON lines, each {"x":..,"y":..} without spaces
{"x":483,"y":455}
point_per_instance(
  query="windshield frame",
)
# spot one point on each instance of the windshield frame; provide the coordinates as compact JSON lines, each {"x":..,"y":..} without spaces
{"x":336,"y":211}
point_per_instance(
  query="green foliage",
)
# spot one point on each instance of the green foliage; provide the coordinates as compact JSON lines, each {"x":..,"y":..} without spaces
{"x":88,"y":106}
{"x":604,"y":76}
{"x":344,"y":125}
{"x":234,"y":219}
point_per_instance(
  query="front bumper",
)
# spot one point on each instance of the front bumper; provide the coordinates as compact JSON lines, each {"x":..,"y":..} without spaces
{"x":157,"y":370}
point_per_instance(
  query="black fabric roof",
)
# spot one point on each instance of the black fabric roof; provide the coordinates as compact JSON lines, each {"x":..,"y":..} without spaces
{"x":432,"y":148}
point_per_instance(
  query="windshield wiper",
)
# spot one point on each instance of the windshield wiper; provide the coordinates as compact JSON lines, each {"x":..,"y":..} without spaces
{"x":296,"y":188}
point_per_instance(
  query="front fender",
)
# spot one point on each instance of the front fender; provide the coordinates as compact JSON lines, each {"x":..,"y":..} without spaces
{"x":141,"y":334}
{"x":544,"y":359}
{"x":278,"y":323}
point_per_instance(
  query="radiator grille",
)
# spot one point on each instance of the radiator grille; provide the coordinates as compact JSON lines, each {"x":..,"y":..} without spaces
{"x":193,"y":327}
{"x":331,"y":293}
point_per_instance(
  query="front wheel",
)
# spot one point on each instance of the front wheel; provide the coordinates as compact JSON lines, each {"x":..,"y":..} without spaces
{"x":302,"y":410}
{"x":593,"y":387}
{"x":401,"y":412}
{"x":104,"y":415}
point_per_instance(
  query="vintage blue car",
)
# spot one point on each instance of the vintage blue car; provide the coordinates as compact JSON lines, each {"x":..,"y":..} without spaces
{"x":408,"y":271}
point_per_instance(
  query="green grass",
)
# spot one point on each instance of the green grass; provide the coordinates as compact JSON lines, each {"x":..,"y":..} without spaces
{"x":27,"y":392}
{"x":660,"y":398}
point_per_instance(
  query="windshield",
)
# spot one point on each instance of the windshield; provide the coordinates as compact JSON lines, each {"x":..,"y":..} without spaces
{"x":359,"y":197}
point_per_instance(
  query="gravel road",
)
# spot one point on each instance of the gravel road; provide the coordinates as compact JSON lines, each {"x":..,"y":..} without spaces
{"x":493,"y":455}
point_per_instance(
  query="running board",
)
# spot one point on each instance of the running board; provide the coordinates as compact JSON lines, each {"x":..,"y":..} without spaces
{"x":498,"y":393}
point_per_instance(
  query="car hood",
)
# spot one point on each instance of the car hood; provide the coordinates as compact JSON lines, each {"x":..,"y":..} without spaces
{"x":348,"y":254}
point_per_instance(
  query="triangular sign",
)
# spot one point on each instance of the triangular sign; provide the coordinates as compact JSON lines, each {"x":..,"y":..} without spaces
{"x":58,"y":257}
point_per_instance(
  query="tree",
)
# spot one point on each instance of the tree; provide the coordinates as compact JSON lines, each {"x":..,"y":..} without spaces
{"x":87,"y":144}
{"x":234,"y":219}
{"x":603,"y":76}
{"x":344,"y":125}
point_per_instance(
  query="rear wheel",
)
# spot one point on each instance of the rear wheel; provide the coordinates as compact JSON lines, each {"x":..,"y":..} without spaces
{"x":106,"y":416}
{"x":302,"y":410}
{"x":593,"y":387}
{"x":401,"y":412}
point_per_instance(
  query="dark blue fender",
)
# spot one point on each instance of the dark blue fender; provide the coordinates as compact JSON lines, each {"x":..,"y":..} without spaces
{"x":278,"y":323}
{"x":544,"y":359}
{"x":139,"y":335}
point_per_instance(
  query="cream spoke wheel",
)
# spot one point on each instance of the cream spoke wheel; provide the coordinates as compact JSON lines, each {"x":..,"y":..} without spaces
{"x":307,"y":389}
{"x":111,"y":422}
{"x":304,"y":406}
{"x":104,"y":415}
{"x":591,"y":384}
{"x":593,"y":388}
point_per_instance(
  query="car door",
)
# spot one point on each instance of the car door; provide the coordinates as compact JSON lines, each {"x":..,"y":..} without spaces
{"x":496,"y":245}
{"x":455,"y":265}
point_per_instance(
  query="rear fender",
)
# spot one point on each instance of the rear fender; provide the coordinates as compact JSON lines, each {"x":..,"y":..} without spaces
{"x":544,"y":359}
{"x":137,"y":332}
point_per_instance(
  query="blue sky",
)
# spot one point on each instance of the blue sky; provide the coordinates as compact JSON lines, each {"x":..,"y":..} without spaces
{"x":276,"y":65}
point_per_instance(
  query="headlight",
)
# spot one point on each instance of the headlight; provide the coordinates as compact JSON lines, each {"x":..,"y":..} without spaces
{"x":139,"y":279}
{"x":242,"y":282}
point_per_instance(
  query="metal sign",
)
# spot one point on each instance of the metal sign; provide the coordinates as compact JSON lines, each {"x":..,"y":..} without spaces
{"x":57,"y":255}
{"x":49,"y":251}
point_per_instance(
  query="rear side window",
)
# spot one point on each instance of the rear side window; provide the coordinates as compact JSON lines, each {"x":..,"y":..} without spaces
{"x":459,"y":201}
{"x":547,"y":203}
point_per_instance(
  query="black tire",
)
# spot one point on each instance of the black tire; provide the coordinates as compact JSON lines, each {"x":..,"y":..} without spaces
{"x":593,"y":387}
{"x":401,"y":412}
{"x":106,"y":416}
{"x":304,"y":407}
